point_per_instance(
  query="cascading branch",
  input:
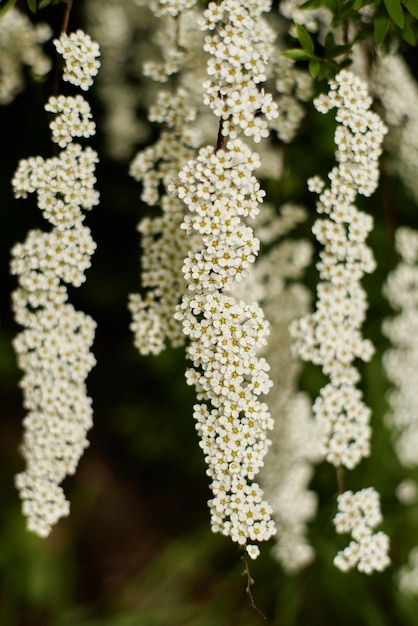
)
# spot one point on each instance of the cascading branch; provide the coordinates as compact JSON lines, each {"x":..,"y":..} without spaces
{"x":289,"y":463}
{"x":331,"y":336}
{"x":164,"y":244}
{"x":53,"y":350}
{"x":400,"y":362}
{"x":221,"y":193}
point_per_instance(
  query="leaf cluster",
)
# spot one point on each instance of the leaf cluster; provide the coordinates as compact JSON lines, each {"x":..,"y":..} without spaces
{"x":391,"y":20}
{"x":33,"y":5}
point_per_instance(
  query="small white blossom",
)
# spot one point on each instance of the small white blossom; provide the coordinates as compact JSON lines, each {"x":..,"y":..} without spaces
{"x":53,"y":349}
{"x":358,"y":514}
{"x":21,"y":49}
{"x":80,"y":55}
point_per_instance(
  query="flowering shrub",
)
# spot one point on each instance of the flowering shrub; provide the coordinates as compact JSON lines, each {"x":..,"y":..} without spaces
{"x":290,"y":320}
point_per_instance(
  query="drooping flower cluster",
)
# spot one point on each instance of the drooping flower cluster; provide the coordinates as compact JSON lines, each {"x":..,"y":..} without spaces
{"x":163,"y":242}
{"x":293,"y":85}
{"x":125,"y":31}
{"x":295,"y":446}
{"x":400,"y":363}
{"x":171,"y":7}
{"x":20,"y":47}
{"x":221,"y":192}
{"x":358,"y":514}
{"x":331,"y":336}
{"x":80,"y":55}
{"x":401,"y":116}
{"x":54,"y":348}
{"x":240,"y":49}
{"x":225,"y":334}
{"x":401,"y":359}
{"x":72,"y":118}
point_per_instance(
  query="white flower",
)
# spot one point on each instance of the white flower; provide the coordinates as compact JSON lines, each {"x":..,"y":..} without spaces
{"x":358,"y":514}
{"x":53,"y":349}
{"x":80,"y":54}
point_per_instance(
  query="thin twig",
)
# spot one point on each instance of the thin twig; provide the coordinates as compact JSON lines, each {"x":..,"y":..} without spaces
{"x":250,"y":582}
{"x":340,"y":479}
{"x":220,"y":139}
{"x":66,"y":17}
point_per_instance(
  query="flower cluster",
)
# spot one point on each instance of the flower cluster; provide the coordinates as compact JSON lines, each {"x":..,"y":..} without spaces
{"x":219,"y":190}
{"x":358,"y":514}
{"x":295,"y":447}
{"x":294,"y":85}
{"x":240,"y":48}
{"x":80,"y":55}
{"x":331,"y":336}
{"x":171,"y":7}
{"x":20,"y":47}
{"x":401,"y":116}
{"x":164,"y":244}
{"x":64,"y":184}
{"x":400,"y":361}
{"x":72,"y":118}
{"x":125,"y":31}
{"x":314,"y":20}
{"x":54,"y":348}
{"x":225,"y":334}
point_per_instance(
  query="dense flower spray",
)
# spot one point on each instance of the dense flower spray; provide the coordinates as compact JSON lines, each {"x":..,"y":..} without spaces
{"x":401,"y":117}
{"x":21,"y":48}
{"x":225,"y":333}
{"x":164,"y":244}
{"x":400,"y":362}
{"x":331,"y":336}
{"x":54,"y":348}
{"x":295,"y":447}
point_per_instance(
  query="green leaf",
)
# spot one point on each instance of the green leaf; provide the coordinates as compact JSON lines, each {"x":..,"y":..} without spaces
{"x":408,"y":35}
{"x":7,"y":6}
{"x":411,"y":6}
{"x":338,"y":50}
{"x":44,"y":3}
{"x":305,"y":39}
{"x":314,"y":67}
{"x":32,"y":5}
{"x":380,"y":26}
{"x":345,"y":13}
{"x":323,"y":71}
{"x":329,"y":42}
{"x":358,"y":4}
{"x":297,"y":54}
{"x":394,"y":8}
{"x":332,"y":5}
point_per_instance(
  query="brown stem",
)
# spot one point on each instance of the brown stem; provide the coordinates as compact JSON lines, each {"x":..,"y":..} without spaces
{"x":220,"y":138}
{"x":340,"y":479}
{"x":389,"y":216}
{"x":57,"y":76}
{"x":66,"y":17}
{"x":250,"y":582}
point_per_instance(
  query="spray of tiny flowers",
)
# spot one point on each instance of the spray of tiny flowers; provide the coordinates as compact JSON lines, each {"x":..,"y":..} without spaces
{"x":295,"y":447}
{"x":221,"y":192}
{"x":53,"y":350}
{"x":21,"y":48}
{"x":164,"y":244}
{"x":331,"y":335}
